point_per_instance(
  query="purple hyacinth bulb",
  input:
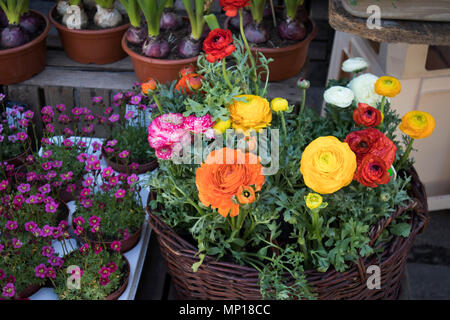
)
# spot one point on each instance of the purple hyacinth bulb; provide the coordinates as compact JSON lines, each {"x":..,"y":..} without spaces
{"x":13,"y":36}
{"x":246,"y":19}
{"x":156,"y":48}
{"x":292,"y":30}
{"x":136,"y":36}
{"x":189,"y":47}
{"x":30,"y":23}
{"x":256,"y":33}
{"x":170,"y":21}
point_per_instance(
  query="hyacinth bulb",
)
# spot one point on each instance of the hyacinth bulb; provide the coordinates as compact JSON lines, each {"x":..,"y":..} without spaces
{"x":155,"y":48}
{"x":13,"y":36}
{"x":189,"y":47}
{"x":292,"y":30}
{"x":170,"y":21}
{"x":107,"y":18}
{"x":246,"y":19}
{"x":3,"y":19}
{"x":75,"y":18}
{"x":256,"y":33}
{"x":62,"y":6}
{"x":136,"y":36}
{"x":30,"y":23}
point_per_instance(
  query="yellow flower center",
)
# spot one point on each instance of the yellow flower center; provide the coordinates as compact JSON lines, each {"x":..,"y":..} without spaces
{"x":327,"y":161}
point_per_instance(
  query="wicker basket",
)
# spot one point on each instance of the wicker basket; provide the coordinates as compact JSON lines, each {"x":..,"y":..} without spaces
{"x":221,"y":280}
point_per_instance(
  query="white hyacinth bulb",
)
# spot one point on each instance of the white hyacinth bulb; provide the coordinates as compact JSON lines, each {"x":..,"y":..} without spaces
{"x":75,"y":18}
{"x":107,"y":18}
{"x":356,"y":64}
{"x":62,"y":6}
{"x":363,"y":87}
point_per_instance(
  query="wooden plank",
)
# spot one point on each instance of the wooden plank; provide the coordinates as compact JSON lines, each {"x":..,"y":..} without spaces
{"x":83,"y":79}
{"x":29,"y":95}
{"x":423,"y":10}
{"x":58,"y":58}
{"x":394,"y":31}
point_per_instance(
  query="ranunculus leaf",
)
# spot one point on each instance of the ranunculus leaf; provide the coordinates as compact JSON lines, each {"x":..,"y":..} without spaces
{"x":401,"y":229}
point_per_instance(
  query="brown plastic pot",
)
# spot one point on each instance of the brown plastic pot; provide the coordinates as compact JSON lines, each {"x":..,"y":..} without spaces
{"x":28,"y":291}
{"x":121,"y":168}
{"x":91,"y":46}
{"x":288,"y":61}
{"x":125,"y":245}
{"x":163,"y":70}
{"x":24,"y":62}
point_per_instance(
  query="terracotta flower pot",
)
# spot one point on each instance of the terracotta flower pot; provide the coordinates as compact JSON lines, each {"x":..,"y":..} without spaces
{"x":121,"y":168}
{"x":288,"y":61}
{"x":91,"y":46}
{"x":22,"y":63}
{"x":28,"y":291}
{"x":125,"y":245}
{"x":162,"y":70}
{"x":20,"y":159}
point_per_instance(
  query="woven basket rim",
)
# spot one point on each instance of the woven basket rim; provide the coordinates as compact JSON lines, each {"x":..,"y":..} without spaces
{"x":418,"y":222}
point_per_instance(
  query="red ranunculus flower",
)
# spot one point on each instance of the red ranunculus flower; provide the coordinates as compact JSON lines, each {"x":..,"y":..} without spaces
{"x":371,"y":141}
{"x":366,"y":115}
{"x":232,"y":6}
{"x":218,"y":45}
{"x":372,"y":171}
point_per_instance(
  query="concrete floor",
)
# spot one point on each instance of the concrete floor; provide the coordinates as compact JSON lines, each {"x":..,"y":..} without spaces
{"x":429,"y":260}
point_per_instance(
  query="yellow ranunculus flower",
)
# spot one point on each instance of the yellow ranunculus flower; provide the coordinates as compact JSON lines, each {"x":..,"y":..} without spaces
{"x":279,"y":104}
{"x":221,"y":126}
{"x":388,"y":86}
{"x":327,"y":165}
{"x":417,"y":124}
{"x":313,"y":200}
{"x":253,"y":114}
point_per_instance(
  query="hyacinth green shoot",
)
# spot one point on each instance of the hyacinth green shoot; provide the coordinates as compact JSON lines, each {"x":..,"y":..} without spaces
{"x":133,"y":11}
{"x":105,"y":4}
{"x":292,"y":7}
{"x":152,"y":10}
{"x":14,"y":9}
{"x":195,"y":14}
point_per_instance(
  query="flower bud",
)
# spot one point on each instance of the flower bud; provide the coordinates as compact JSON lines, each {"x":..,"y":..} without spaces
{"x":303,"y":83}
{"x":186,"y":70}
{"x":148,"y":85}
{"x":195,"y":83}
{"x":279,"y":104}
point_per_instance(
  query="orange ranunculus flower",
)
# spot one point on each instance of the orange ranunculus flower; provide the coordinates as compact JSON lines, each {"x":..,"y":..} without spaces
{"x":148,"y":85}
{"x":253,"y":114}
{"x":327,"y":165}
{"x":388,"y":86}
{"x":417,"y":124}
{"x":227,"y":175}
{"x":188,"y":83}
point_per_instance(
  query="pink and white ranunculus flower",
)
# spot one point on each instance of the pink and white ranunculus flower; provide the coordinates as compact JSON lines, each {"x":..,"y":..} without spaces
{"x":168,"y":132}
{"x":201,"y":124}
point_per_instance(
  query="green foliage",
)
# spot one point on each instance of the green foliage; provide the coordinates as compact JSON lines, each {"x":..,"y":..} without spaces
{"x":90,"y":287}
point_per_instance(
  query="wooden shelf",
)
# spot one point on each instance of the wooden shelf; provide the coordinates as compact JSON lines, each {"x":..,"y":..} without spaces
{"x":392,"y":31}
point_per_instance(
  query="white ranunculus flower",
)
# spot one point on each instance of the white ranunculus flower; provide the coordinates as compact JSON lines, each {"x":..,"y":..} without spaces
{"x":341,"y":97}
{"x":354,"y":64}
{"x":363,"y":87}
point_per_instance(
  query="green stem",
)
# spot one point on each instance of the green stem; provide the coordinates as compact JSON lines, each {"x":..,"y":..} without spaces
{"x":133,"y":11}
{"x":157,"y":103}
{"x":383,"y":102}
{"x":283,"y":123}
{"x":302,"y":108}
{"x":250,"y":55}
{"x":225,"y":75}
{"x":405,"y":155}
